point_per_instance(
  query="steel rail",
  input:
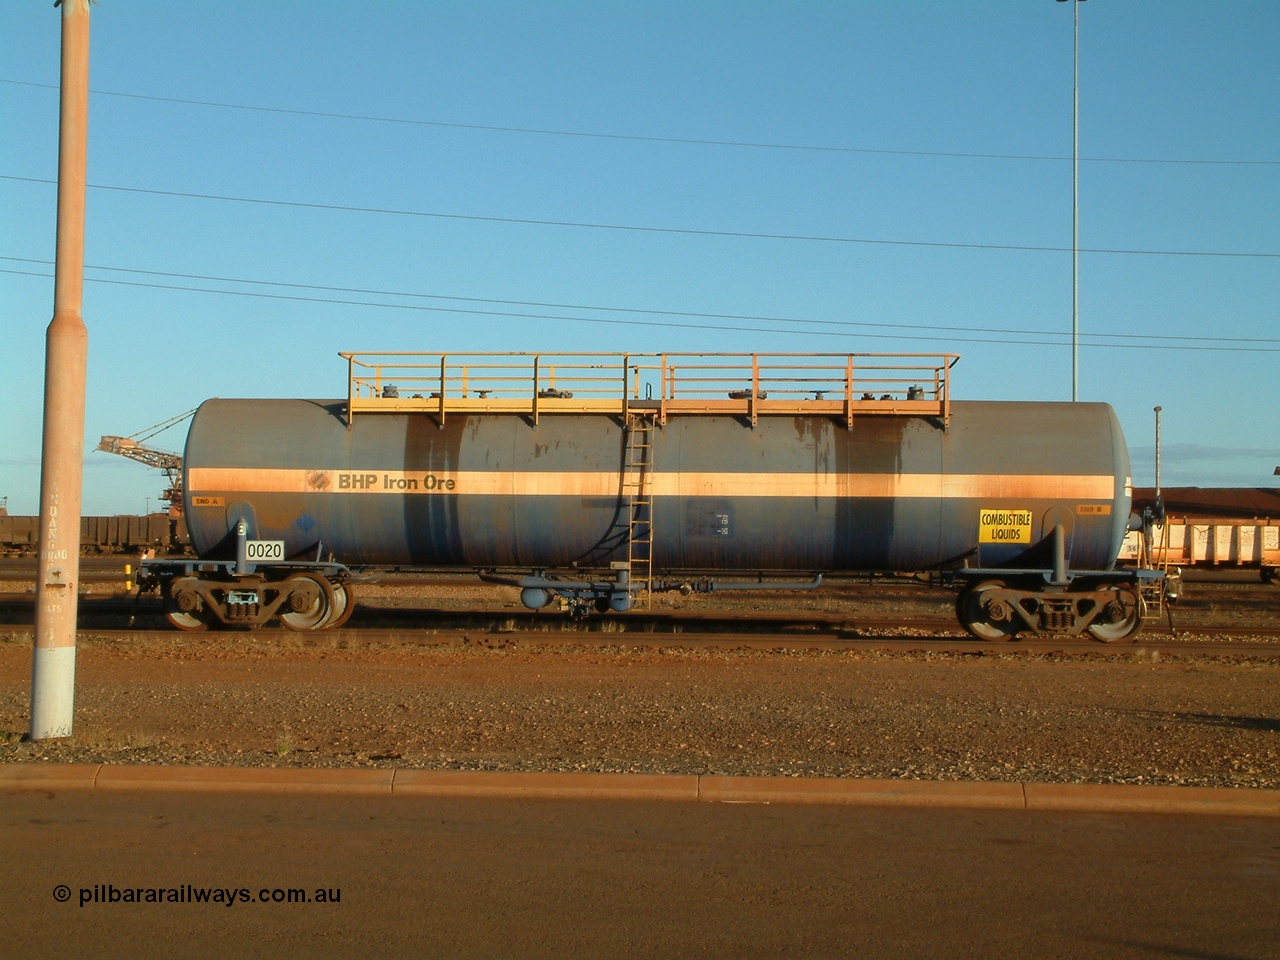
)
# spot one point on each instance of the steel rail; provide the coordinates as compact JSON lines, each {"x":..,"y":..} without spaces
{"x":891,"y":641}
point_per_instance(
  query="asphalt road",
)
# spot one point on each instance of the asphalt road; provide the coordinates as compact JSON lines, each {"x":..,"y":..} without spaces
{"x":489,"y":878}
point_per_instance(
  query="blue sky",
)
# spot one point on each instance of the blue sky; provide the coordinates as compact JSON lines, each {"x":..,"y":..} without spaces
{"x":872,"y":176}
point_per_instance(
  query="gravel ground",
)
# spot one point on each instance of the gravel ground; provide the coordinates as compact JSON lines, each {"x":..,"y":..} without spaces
{"x":484,"y":704}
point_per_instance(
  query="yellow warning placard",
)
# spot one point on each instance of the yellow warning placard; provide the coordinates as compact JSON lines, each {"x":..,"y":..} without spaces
{"x":1004,"y":526}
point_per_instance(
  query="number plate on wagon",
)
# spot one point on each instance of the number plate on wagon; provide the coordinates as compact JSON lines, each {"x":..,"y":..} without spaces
{"x":259,"y":550}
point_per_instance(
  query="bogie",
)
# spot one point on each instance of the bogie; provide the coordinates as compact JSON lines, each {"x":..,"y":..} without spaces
{"x":996,"y":610}
{"x":304,"y":600}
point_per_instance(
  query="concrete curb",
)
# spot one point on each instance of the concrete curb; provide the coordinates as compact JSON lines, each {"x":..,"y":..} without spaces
{"x":900,"y":793}
{"x":690,"y":788}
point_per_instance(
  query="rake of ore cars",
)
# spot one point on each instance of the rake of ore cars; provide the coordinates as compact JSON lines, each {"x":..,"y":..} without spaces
{"x":589,"y":481}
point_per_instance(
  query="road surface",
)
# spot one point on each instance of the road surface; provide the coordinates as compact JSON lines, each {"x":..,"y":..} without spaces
{"x":421,"y":877}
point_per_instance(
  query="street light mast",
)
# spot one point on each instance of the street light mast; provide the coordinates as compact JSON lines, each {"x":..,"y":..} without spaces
{"x":1075,"y":207}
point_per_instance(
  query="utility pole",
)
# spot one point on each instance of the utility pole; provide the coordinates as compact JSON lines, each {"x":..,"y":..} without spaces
{"x":53,"y":667}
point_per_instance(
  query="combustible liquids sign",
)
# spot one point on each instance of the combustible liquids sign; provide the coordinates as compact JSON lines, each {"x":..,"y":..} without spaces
{"x":1004,"y":526}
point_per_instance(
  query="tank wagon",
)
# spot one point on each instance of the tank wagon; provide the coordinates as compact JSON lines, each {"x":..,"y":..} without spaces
{"x":597,"y":480}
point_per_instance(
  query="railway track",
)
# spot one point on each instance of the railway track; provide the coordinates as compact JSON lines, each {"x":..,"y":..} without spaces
{"x":418,"y":623}
{"x":1152,"y":647}
{"x":1227,"y":615}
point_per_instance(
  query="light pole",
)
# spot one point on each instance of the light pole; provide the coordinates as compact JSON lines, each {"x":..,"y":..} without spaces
{"x":1075,"y":207}
{"x":1158,"y":409}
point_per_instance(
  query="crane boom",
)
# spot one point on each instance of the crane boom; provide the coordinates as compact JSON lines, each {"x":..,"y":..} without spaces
{"x":125,"y":447}
{"x":170,"y":463}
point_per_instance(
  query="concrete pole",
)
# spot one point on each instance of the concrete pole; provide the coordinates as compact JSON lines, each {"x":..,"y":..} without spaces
{"x":1075,"y":205}
{"x":1075,"y":211}
{"x":53,"y":668}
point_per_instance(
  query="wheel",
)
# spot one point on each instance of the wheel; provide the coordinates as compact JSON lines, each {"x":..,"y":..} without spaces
{"x":983,"y":618}
{"x":1123,"y":617}
{"x":183,"y":607}
{"x":310,"y":602}
{"x":344,"y":602}
{"x":185,"y":621}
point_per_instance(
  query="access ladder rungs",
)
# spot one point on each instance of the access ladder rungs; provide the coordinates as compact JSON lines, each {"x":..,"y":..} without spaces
{"x":636,"y":484}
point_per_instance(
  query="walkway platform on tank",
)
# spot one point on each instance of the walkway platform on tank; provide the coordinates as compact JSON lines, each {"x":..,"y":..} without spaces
{"x":657,"y":385}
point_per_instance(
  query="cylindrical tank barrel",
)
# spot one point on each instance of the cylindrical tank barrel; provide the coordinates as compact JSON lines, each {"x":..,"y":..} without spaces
{"x":801,"y":493}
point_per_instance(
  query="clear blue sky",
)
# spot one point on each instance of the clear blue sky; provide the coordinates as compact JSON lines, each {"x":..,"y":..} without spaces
{"x":874,"y":176}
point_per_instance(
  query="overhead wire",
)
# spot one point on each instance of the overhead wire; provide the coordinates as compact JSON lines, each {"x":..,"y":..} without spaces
{"x":1147,"y":341}
{"x":682,"y":231}
{"x":636,"y":227}
{"x":640,"y":138}
{"x":649,"y":311}
{"x":863,"y":328}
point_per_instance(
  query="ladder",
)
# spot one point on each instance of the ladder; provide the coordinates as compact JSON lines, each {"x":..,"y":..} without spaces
{"x":1155,"y":556}
{"x":637,"y":495}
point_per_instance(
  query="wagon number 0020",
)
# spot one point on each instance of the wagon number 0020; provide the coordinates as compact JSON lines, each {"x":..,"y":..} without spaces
{"x":264,"y":549}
